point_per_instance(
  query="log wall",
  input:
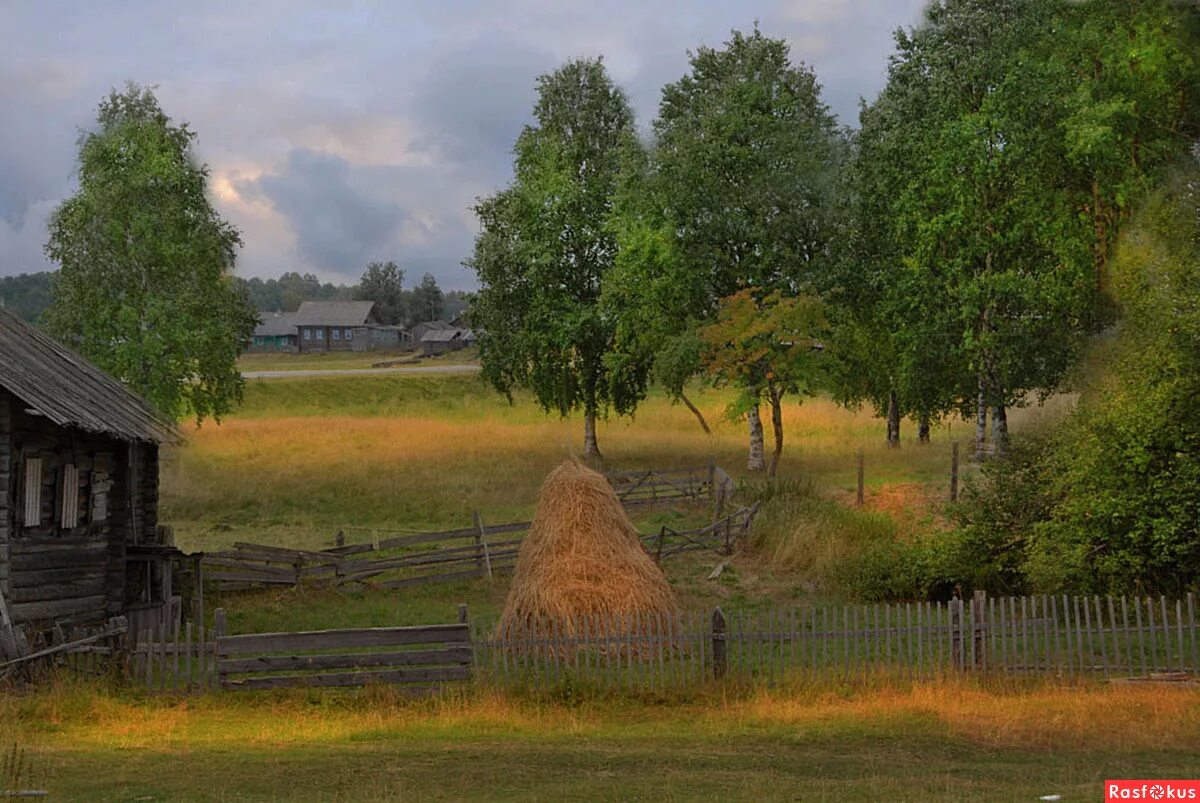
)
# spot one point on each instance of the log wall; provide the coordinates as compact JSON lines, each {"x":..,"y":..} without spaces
{"x":6,"y":490}
{"x":75,"y":575}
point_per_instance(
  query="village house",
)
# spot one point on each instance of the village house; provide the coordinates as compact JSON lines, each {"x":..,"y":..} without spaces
{"x":80,"y":539}
{"x":276,"y":331}
{"x":323,"y":326}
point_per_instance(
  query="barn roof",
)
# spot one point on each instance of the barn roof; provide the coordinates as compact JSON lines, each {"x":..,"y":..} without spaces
{"x":443,"y":335}
{"x":64,"y":388}
{"x":334,"y":313}
{"x":274,"y":324}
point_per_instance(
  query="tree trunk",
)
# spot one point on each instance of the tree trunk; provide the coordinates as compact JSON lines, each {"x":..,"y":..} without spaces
{"x":590,"y":447}
{"x":757,"y":461}
{"x":981,"y":419}
{"x":777,"y":426}
{"x":923,"y":428}
{"x":999,"y":428}
{"x":893,"y":420}
{"x":696,"y":412}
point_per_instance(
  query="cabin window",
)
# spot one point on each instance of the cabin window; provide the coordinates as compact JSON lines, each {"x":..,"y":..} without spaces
{"x":69,"y":518}
{"x":349,"y":334}
{"x":308,"y":334}
{"x":31,"y":515}
{"x":337,"y":334}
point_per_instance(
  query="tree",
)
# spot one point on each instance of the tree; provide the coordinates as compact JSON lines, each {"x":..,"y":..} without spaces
{"x":775,"y":342}
{"x":145,"y":287}
{"x":744,"y":168}
{"x":544,"y":253}
{"x":383,"y":283}
{"x":426,"y":302}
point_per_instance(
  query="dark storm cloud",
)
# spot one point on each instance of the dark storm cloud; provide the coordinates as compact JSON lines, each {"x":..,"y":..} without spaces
{"x":338,"y":133}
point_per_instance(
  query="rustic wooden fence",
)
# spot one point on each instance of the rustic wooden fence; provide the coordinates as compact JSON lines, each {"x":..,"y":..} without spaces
{"x":664,"y":486}
{"x":418,"y":659}
{"x":1058,"y":635}
{"x":433,"y":557}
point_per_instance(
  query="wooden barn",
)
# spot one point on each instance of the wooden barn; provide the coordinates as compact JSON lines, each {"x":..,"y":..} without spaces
{"x":79,"y":534}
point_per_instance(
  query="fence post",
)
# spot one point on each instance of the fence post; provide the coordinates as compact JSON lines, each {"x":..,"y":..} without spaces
{"x":956,"y":635}
{"x":979,"y":617}
{"x":712,"y":484}
{"x":462,"y":613}
{"x":481,"y":546}
{"x":219,"y":624}
{"x":954,"y":472}
{"x":340,"y":539}
{"x":859,"y":496}
{"x":718,"y":643}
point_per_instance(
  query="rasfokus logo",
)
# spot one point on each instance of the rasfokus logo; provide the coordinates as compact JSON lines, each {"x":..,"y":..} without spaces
{"x":1151,"y":790}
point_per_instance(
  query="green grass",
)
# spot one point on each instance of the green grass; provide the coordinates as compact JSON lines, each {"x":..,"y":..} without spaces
{"x":341,"y":360}
{"x":950,"y":742}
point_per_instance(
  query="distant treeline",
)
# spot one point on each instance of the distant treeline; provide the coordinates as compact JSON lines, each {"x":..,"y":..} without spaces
{"x":29,"y":296}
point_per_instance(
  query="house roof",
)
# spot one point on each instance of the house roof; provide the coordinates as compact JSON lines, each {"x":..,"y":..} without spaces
{"x":444,"y":335}
{"x":61,"y":386}
{"x":274,"y":324}
{"x":334,"y":313}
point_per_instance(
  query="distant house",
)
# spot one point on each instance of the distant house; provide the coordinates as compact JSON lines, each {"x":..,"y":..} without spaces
{"x":344,"y":326}
{"x":275,"y":332}
{"x":440,"y":341}
{"x":79,"y":534}
{"x":425,"y":327}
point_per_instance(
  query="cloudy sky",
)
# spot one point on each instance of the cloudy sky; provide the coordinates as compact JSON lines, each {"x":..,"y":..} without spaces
{"x":342,"y":132}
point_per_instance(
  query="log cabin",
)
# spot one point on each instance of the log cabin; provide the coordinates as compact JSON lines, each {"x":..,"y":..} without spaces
{"x":80,"y":540}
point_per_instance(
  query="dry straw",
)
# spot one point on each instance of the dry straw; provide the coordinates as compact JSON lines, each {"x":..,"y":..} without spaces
{"x":582,"y":567}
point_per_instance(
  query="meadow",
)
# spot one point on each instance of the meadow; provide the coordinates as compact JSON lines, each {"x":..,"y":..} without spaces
{"x":304,"y":458}
{"x":951,"y":741}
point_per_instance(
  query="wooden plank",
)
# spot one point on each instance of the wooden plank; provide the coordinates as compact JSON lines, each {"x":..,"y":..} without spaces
{"x":284,"y":663}
{"x":36,"y":611}
{"x":286,"y":553}
{"x":36,"y":561}
{"x":341,"y":639}
{"x":41,"y":577}
{"x":344,"y":679}
{"x":250,"y":566}
{"x":1191,"y":607}
{"x":94,"y":584}
{"x":437,"y":578}
{"x":242,"y":577}
{"x":428,"y":538}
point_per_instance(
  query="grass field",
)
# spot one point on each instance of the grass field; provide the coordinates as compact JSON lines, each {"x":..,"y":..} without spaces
{"x":276,"y":361}
{"x":902,"y":743}
{"x":306,"y":457}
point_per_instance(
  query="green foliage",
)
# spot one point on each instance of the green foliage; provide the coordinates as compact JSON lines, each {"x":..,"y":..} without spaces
{"x":427,"y":302}
{"x":1111,"y":500}
{"x":383,"y":283}
{"x":290,"y":290}
{"x":545,"y":252}
{"x":28,"y":295}
{"x":145,"y":287}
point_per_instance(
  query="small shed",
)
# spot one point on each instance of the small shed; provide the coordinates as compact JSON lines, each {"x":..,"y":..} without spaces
{"x":79,"y":534}
{"x":440,"y":341}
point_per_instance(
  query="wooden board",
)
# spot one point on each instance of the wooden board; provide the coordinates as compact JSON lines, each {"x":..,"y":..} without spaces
{"x":285,"y":663}
{"x":341,"y":639}
{"x":435,"y":675}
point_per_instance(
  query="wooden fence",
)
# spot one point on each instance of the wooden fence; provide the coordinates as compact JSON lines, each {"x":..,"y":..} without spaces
{"x":1059,"y":635}
{"x":658,"y":486}
{"x":436,"y":557}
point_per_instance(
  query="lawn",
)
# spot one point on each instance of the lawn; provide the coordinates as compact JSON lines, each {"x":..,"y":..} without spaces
{"x":917,"y":743}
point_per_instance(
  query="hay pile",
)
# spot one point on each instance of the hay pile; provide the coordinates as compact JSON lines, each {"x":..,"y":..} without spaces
{"x":583,"y":563}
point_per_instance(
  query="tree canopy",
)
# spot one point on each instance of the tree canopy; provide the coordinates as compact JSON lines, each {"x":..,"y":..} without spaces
{"x":545,"y":252}
{"x":144,"y":287}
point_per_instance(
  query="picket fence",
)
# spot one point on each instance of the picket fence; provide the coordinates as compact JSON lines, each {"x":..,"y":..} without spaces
{"x":1057,"y":635}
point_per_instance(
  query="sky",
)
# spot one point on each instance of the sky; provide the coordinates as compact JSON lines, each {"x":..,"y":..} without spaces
{"x":337,"y":132}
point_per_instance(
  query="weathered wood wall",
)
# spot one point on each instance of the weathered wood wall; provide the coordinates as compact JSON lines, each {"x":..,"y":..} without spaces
{"x":72,"y":576}
{"x":6,"y":480}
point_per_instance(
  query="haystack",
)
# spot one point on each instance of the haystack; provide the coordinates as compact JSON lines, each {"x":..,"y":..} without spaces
{"x":583,"y":565}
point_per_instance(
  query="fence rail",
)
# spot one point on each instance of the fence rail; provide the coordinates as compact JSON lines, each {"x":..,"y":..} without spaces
{"x":420,"y":558}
